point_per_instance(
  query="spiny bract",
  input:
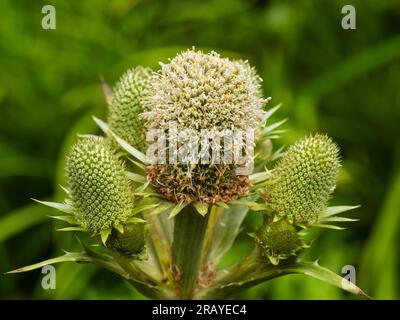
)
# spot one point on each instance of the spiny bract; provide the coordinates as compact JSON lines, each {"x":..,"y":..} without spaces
{"x":278,"y":239}
{"x":204,"y":91}
{"x":127,"y":104}
{"x":304,"y":179}
{"x":99,"y":188}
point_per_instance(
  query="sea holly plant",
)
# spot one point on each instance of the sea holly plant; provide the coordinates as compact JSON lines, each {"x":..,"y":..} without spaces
{"x":186,"y":153}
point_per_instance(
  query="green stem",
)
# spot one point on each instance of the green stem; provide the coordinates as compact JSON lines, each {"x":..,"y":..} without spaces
{"x":189,"y":230}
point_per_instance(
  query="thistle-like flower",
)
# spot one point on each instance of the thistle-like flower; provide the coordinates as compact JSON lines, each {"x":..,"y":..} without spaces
{"x":304,"y":179}
{"x":196,"y":95}
{"x":278,"y":240}
{"x":198,"y":91}
{"x":99,"y":188}
{"x":127,"y":104}
{"x":204,"y":91}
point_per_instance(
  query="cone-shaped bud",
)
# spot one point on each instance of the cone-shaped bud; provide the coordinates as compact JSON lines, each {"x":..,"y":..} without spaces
{"x":127,"y":104}
{"x":130,"y":243}
{"x":99,"y":187}
{"x":304,"y":178}
{"x":278,"y":240}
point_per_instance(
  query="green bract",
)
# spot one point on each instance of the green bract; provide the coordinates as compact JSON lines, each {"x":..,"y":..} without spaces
{"x":304,"y":179}
{"x":127,"y":104}
{"x":99,"y":189}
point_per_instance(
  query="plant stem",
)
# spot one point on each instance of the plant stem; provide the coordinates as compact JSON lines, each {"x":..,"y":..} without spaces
{"x":189,"y":230}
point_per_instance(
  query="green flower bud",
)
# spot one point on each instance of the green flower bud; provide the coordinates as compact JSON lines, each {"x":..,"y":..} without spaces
{"x":127,"y":104}
{"x":304,"y":179}
{"x":278,"y":240}
{"x":99,"y":188}
{"x":130,"y":243}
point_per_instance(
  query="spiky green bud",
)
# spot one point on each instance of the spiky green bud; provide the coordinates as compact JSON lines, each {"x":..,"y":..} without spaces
{"x":127,"y":104}
{"x":99,"y":188}
{"x":304,"y":179}
{"x":131,"y":243}
{"x":278,"y":240}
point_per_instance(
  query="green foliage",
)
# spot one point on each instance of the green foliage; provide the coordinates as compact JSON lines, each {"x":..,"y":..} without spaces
{"x":344,"y":83}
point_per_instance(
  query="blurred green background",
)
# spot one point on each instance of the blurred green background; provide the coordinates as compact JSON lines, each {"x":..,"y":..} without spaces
{"x":342,"y":82}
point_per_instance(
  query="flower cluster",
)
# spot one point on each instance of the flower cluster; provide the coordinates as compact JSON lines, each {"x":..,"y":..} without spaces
{"x":180,"y":217}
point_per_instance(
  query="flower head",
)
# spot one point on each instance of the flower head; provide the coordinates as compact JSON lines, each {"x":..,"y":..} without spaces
{"x":204,"y":91}
{"x":99,"y":188}
{"x":127,"y":104}
{"x":278,"y":240}
{"x":304,"y":179}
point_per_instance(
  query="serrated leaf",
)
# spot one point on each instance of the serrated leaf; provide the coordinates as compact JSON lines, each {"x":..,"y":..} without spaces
{"x":202,"y":208}
{"x":234,"y":281}
{"x":67,"y":257}
{"x":56,"y":205}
